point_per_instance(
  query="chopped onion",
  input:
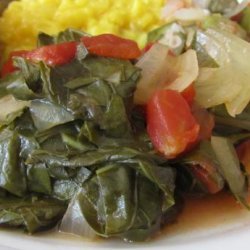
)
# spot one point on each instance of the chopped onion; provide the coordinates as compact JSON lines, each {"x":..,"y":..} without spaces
{"x":73,"y":222}
{"x":240,"y":7}
{"x":190,"y":15}
{"x":182,"y":71}
{"x":213,"y":86}
{"x":152,"y":64}
{"x":174,"y":37}
{"x":171,"y":7}
{"x":163,"y":71}
{"x":201,"y":3}
{"x":230,"y":83}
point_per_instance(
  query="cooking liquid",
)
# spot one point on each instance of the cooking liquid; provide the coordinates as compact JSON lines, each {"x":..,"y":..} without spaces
{"x":205,"y":217}
{"x":200,"y":218}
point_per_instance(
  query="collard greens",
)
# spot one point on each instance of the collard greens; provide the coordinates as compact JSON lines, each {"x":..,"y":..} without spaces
{"x":69,"y":133}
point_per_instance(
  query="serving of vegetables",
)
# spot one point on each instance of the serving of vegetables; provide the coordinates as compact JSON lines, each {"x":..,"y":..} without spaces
{"x":102,"y":138}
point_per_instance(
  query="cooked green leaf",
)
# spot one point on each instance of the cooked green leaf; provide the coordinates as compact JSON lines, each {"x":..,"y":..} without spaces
{"x":12,"y":175}
{"x":29,"y":71}
{"x":204,"y":168}
{"x":19,"y":88}
{"x":10,"y":109}
{"x":33,"y":213}
{"x":38,"y":179}
{"x":115,"y":121}
{"x":46,"y":115}
{"x":118,"y":202}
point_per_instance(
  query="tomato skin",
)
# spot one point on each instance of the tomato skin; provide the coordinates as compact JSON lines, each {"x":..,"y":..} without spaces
{"x":170,"y":123}
{"x":55,"y":54}
{"x":243,"y":152}
{"x":205,"y":175}
{"x":189,"y":94}
{"x":8,"y":67}
{"x":237,"y":18}
{"x":109,"y":45}
{"x":205,"y":120}
{"x":58,"y":54}
{"x":147,"y":47}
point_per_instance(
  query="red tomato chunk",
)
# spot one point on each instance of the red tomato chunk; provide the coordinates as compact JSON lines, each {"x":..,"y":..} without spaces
{"x":111,"y":46}
{"x":170,"y":123}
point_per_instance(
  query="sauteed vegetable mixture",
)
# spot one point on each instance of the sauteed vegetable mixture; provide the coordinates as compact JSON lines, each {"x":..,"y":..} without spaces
{"x":102,"y":138}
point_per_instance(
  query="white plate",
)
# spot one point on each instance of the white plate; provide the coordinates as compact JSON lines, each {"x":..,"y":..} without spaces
{"x":214,"y":223}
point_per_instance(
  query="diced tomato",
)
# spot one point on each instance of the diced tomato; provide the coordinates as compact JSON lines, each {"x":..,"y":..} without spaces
{"x":55,"y":54}
{"x":205,"y":120}
{"x":147,"y":47}
{"x":58,"y":54}
{"x":189,"y":94}
{"x":8,"y":67}
{"x":237,"y":18}
{"x":206,"y":175}
{"x":170,"y":123}
{"x":243,"y":152}
{"x":111,"y":46}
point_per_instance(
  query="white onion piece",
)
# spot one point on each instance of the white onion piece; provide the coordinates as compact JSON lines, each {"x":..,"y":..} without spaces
{"x":201,"y":3}
{"x":152,"y":64}
{"x":190,"y":15}
{"x":213,"y":86}
{"x":171,"y":7}
{"x":182,"y":71}
{"x":190,"y":37}
{"x":173,"y":37}
{"x":230,"y":83}
{"x":163,"y":71}
{"x":238,"y":9}
{"x":73,"y":222}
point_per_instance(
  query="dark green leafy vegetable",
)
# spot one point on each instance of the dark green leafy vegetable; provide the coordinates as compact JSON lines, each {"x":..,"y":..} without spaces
{"x":172,"y":35}
{"x":64,"y":36}
{"x":19,"y":89}
{"x":12,"y":176}
{"x":68,"y":137}
{"x":74,"y":147}
{"x":46,"y":115}
{"x":10,"y":109}
{"x":204,"y":59}
{"x":202,"y":170}
{"x":39,"y":179}
{"x":29,"y":71}
{"x":142,"y":203}
{"x":33,"y":213}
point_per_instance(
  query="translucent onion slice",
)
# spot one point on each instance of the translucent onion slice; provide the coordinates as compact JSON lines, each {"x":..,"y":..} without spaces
{"x":171,"y":7}
{"x":160,"y":70}
{"x":240,"y":7}
{"x":213,"y":88}
{"x":152,"y":64}
{"x":182,"y":71}
{"x":190,"y":15}
{"x":73,"y":222}
{"x":201,"y":3}
{"x":230,"y":83}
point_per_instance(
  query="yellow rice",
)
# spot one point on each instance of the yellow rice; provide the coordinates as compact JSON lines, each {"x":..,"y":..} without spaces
{"x":24,"y":19}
